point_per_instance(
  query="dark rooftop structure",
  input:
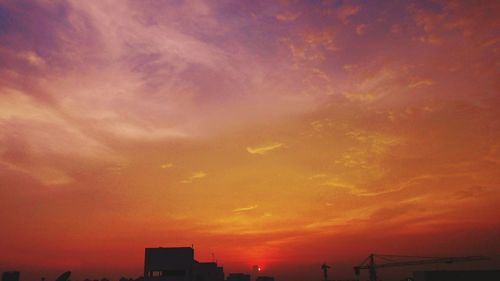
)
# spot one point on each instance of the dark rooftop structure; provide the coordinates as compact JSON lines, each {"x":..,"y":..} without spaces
{"x":178,"y":264}
{"x":457,"y":275}
{"x":10,"y":276}
{"x":238,"y":277}
{"x":265,"y":278}
{"x":169,"y":264}
{"x":208,"y":271}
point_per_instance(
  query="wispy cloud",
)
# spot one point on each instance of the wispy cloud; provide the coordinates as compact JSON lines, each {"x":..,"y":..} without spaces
{"x":347,"y":11}
{"x":361,"y":29}
{"x":199,"y":175}
{"x":195,"y":176}
{"x":287,"y":16}
{"x":263,"y":149}
{"x":421,"y":83}
{"x":245,"y":209}
{"x":166,"y":165}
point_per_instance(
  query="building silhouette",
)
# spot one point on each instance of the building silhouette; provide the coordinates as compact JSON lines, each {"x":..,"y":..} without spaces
{"x":10,"y":276}
{"x":178,"y":264}
{"x":265,"y":278}
{"x":208,"y":271}
{"x":238,"y":277}
{"x":457,"y":275}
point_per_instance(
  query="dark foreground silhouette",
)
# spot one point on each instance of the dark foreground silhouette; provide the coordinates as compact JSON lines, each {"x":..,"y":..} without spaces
{"x":178,"y":264}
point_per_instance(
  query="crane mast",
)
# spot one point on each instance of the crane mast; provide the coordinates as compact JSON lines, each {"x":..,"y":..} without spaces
{"x":391,"y":261}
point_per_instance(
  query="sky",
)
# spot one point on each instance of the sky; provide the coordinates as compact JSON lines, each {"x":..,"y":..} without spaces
{"x":279,"y":133}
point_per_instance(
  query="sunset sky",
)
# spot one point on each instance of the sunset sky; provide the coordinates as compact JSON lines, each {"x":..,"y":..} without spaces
{"x":279,"y":133}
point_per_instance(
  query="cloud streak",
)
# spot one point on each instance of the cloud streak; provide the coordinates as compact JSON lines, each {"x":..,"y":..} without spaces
{"x":245,"y":209}
{"x":263,"y":149}
{"x":195,"y":176}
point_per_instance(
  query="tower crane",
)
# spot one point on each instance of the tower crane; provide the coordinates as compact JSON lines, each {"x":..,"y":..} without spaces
{"x":392,"y":261}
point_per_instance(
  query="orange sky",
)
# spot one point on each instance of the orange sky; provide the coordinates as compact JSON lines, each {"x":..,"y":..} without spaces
{"x":283,"y":134}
